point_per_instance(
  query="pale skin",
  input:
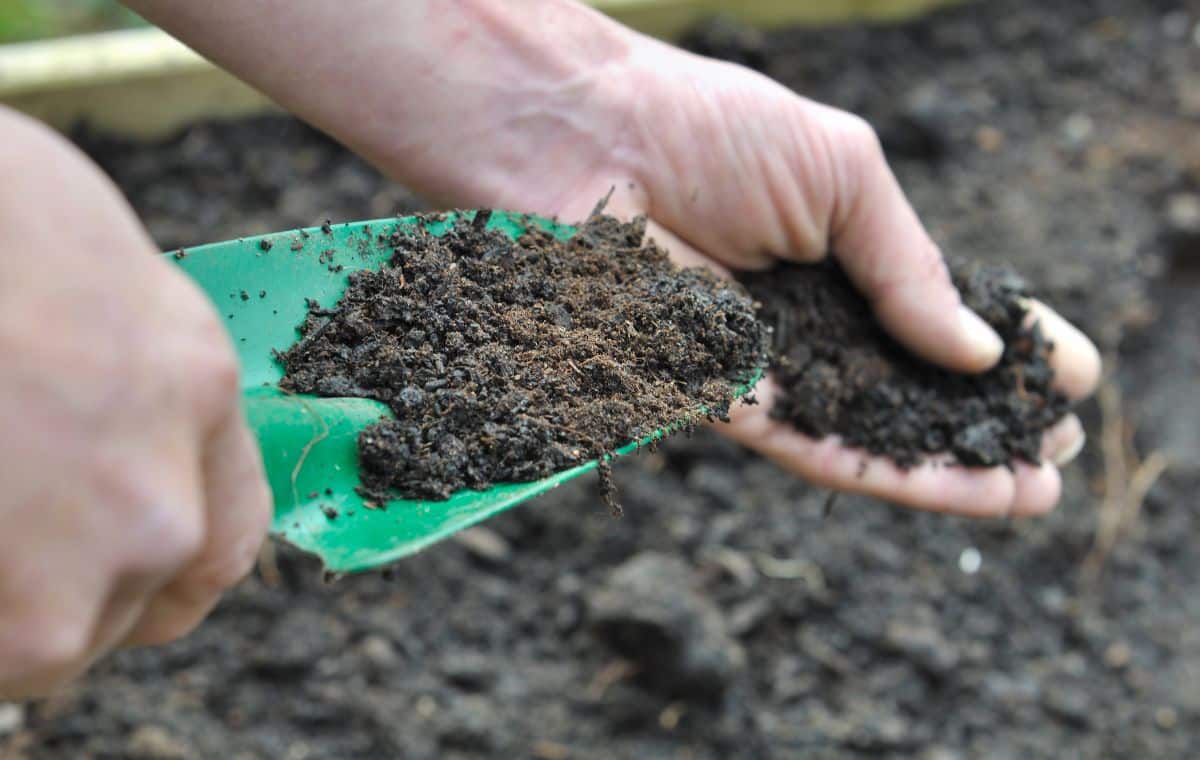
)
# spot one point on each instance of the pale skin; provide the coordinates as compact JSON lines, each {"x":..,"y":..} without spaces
{"x":133,"y":492}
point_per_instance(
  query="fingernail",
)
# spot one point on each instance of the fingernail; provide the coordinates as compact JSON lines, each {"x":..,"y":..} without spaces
{"x":1068,"y":454}
{"x":983,"y":339}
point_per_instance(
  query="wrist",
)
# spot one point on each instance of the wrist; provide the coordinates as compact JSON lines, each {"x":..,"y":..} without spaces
{"x":551,"y":81}
{"x":455,"y":99}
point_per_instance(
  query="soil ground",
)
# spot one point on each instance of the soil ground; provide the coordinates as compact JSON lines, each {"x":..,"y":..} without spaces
{"x":1061,"y":137}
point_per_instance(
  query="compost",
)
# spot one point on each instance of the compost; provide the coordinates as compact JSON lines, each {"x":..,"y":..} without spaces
{"x":840,"y":373}
{"x":508,"y":360}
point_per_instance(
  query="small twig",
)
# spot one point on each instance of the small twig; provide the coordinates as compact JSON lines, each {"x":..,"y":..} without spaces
{"x":612,"y":673}
{"x":268,"y":565}
{"x":601,"y":204}
{"x":830,"y":501}
{"x":608,"y":487}
{"x":1127,"y":478}
{"x":482,"y":217}
{"x":1112,"y":450}
{"x":334,"y":315}
{"x":1144,"y":478}
{"x":312,"y":336}
{"x":308,"y":447}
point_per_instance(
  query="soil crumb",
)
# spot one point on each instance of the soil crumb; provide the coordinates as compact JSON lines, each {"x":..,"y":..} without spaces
{"x":840,"y":373}
{"x":507,"y":361}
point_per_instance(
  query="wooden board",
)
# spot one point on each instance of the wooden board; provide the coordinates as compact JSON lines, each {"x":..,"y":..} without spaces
{"x":144,"y":83}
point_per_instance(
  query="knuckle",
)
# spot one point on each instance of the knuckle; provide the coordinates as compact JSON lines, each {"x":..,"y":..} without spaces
{"x":214,"y":372}
{"x":196,"y":372}
{"x":262,"y":501}
{"x":164,"y":531}
{"x":42,"y":647}
{"x":859,"y":138}
{"x":202,"y":585}
{"x":173,"y":536}
{"x":855,"y":158}
{"x":223,"y":374}
{"x":928,"y":267}
{"x":214,"y":577}
{"x":26,"y":145}
{"x":924,"y":271}
{"x":165,"y":631}
{"x":218,"y":569}
{"x":210,"y":331}
{"x":62,"y":647}
{"x":218,"y":579}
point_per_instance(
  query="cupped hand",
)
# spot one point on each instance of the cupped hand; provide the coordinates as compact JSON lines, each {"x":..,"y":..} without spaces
{"x":133,"y":492}
{"x":735,"y":171}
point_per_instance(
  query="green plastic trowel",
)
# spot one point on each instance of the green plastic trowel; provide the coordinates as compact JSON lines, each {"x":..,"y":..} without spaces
{"x":261,"y":286}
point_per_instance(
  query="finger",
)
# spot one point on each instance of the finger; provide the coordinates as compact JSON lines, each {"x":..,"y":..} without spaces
{"x":44,"y":644}
{"x":1037,"y":489}
{"x":625,"y":200}
{"x":681,"y":252}
{"x":79,"y":605}
{"x":1064,"y":441}
{"x":890,"y":257}
{"x":168,"y":539}
{"x":238,"y":512}
{"x":39,"y":677}
{"x":934,"y":485}
{"x":126,"y":606}
{"x":1075,"y":359}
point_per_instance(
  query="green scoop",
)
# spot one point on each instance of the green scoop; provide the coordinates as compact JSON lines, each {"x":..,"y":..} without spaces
{"x":309,"y":444}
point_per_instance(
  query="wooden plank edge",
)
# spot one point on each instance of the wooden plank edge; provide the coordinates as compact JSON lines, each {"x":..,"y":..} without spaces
{"x":143,"y":83}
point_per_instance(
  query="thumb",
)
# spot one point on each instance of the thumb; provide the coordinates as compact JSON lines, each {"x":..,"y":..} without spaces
{"x":886,"y":251}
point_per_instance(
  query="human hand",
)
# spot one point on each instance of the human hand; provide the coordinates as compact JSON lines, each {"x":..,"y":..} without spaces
{"x":735,"y":171}
{"x":547,"y":108}
{"x":133,"y":492}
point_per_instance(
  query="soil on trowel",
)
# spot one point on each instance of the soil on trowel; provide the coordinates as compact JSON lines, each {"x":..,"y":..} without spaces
{"x":840,"y":373}
{"x":508,"y":360}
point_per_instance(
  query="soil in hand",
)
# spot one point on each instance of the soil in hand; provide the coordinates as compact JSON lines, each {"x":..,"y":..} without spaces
{"x":840,"y":373}
{"x":507,"y":361}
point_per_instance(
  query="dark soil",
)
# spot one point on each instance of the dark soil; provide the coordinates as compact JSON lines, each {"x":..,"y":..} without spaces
{"x":508,"y":361}
{"x":840,"y":373}
{"x":1058,"y":137}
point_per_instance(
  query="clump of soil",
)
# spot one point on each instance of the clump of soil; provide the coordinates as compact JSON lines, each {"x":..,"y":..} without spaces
{"x":840,"y":373}
{"x":507,"y":361}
